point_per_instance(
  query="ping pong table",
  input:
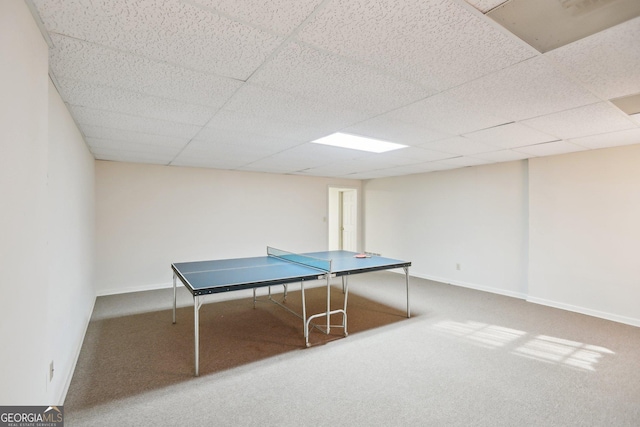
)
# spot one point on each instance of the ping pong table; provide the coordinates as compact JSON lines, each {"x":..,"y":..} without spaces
{"x":279,"y":267}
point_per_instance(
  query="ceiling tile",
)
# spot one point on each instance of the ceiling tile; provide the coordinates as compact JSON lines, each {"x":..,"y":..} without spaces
{"x":303,"y":157}
{"x":608,"y":63}
{"x":98,"y":97}
{"x":240,"y":121}
{"x":464,"y":161}
{"x":485,"y":5}
{"x":115,"y":120}
{"x":268,"y":104}
{"x":247,"y":84}
{"x":94,"y":64}
{"x":625,"y":137}
{"x":550,"y":148}
{"x":582,"y":121}
{"x":414,"y":155}
{"x":306,"y":72}
{"x":121,"y":135}
{"x":279,"y":16}
{"x":416,"y":168}
{"x":503,"y":156}
{"x":529,"y":89}
{"x":389,"y":129}
{"x":247,"y":139}
{"x":439,"y":44}
{"x":164,"y":30}
{"x":446,"y":113}
{"x":110,"y":145}
{"x":219,"y":155}
{"x":509,"y":136}
{"x":134,"y":153}
{"x":460,"y":146}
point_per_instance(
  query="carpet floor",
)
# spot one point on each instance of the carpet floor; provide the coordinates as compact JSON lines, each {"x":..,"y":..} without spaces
{"x":464,"y":358}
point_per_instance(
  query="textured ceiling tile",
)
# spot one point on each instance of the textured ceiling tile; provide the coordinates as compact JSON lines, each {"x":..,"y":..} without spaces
{"x":608,"y":62}
{"x":115,"y":120}
{"x":95,"y":64}
{"x":132,"y":147}
{"x":625,"y":137}
{"x":241,"y":137}
{"x":485,"y":6}
{"x":236,"y":121}
{"x":437,"y":43}
{"x":393,"y":130}
{"x":582,"y":121}
{"x":366,"y":175}
{"x":269,"y":104}
{"x":142,"y":77}
{"x":459,"y":145}
{"x":413,"y":155}
{"x":509,"y":136}
{"x":446,"y":113}
{"x":331,"y":79}
{"x":324,"y":153}
{"x":550,"y":148}
{"x":377,"y":161}
{"x":218,"y":155}
{"x":529,"y":89}
{"x":305,"y":156}
{"x":137,"y":154}
{"x":503,"y":156}
{"x":166,"y":30}
{"x":279,"y":16}
{"x":117,"y":100}
{"x":121,"y":135}
{"x":464,"y":161}
{"x":343,"y":168}
{"x":409,"y":169}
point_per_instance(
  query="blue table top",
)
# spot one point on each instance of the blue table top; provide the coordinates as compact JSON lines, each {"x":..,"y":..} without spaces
{"x":214,"y":276}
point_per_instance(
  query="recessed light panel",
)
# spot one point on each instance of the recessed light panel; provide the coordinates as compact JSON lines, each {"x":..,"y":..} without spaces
{"x":549,"y":24}
{"x":354,"y":142}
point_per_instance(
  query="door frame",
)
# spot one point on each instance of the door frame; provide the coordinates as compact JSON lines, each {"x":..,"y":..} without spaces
{"x":333,"y":216}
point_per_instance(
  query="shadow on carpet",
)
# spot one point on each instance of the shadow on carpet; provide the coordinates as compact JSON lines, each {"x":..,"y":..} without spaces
{"x":133,"y":354}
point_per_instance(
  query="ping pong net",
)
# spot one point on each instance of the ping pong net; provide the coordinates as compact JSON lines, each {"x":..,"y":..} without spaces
{"x":320,"y":264}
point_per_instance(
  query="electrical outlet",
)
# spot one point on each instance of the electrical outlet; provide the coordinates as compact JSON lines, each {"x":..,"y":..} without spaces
{"x":458,"y":266}
{"x":51,"y":371}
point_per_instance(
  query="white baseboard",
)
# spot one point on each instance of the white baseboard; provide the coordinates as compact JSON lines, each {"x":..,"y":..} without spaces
{"x":78,"y":348}
{"x":490,"y":289}
{"x":589,"y":312}
{"x":520,"y":295}
{"x":118,"y":291}
{"x":568,"y":307}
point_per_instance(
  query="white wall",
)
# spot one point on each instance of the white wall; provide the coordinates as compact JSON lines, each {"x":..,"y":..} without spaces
{"x":148,"y":216}
{"x":46,"y":220}
{"x":563,"y":231}
{"x":475,"y":217}
{"x":585,"y":232}
{"x":23,"y":186}
{"x":71,"y":225}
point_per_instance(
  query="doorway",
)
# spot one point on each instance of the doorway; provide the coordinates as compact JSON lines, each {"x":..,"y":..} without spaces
{"x":343,"y":219}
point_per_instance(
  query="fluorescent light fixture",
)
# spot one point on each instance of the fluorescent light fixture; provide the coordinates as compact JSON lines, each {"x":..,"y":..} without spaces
{"x":354,"y":142}
{"x":549,"y":24}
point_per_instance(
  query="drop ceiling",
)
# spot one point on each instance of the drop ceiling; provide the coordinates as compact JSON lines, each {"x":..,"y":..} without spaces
{"x":248,"y":84}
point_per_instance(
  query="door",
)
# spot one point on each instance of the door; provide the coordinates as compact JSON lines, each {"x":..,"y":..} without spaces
{"x":349,"y":220}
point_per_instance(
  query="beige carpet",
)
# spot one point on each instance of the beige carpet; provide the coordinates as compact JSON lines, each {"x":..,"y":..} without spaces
{"x":464,"y":358}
